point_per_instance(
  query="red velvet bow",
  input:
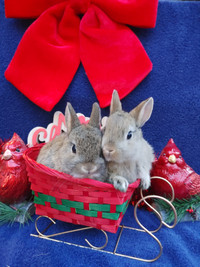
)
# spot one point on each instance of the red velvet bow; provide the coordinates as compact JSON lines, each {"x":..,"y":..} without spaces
{"x":51,"y":49}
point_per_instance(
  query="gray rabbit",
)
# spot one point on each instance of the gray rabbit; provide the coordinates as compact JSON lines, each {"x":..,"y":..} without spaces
{"x":129,"y":156}
{"x":78,"y":151}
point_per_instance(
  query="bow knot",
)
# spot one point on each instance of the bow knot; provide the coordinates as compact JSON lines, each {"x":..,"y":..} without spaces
{"x":80,"y":6}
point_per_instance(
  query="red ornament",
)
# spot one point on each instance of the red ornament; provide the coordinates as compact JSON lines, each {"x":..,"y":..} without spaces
{"x":14,"y":185}
{"x":171,"y":166}
{"x":93,"y":32}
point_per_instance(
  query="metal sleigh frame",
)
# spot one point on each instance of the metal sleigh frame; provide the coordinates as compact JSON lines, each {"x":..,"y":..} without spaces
{"x":41,"y":234}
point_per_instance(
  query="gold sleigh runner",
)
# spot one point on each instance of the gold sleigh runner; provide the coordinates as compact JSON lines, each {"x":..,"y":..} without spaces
{"x":143,"y":229}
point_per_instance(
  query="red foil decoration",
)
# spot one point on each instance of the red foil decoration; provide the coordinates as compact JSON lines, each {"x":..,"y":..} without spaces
{"x":14,"y":185}
{"x":171,"y":166}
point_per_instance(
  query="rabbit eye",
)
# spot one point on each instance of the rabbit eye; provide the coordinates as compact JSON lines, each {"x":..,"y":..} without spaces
{"x":180,"y":157}
{"x":74,"y":149}
{"x":129,"y":135}
{"x":17,"y":149}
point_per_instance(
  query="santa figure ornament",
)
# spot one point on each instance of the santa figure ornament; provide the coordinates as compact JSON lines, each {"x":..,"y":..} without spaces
{"x":171,"y":166}
{"x":14,"y":185}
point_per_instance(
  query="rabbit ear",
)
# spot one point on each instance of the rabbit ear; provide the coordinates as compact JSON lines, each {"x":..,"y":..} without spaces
{"x":95,"y":116}
{"x":142,"y":112}
{"x":115,"y":103}
{"x":71,"y":119}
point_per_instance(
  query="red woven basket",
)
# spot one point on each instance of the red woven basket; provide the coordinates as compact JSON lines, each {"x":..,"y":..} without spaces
{"x":78,"y":201}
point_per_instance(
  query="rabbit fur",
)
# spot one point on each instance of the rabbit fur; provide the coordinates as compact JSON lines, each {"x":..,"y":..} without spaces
{"x":78,"y":151}
{"x":128,"y":155}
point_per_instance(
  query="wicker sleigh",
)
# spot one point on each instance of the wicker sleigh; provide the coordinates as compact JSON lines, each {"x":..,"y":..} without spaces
{"x":78,"y":201}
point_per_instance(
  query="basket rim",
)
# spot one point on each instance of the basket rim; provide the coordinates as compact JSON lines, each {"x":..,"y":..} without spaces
{"x":81,"y":181}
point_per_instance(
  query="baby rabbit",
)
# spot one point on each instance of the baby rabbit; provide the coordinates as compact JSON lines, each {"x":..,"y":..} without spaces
{"x":78,"y":151}
{"x":129,"y":156}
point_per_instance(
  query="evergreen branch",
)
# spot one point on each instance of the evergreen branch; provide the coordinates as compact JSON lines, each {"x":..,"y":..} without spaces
{"x":181,"y":206}
{"x":9,"y":214}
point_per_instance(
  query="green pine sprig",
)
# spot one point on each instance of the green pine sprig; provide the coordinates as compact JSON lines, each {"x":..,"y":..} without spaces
{"x":10,"y":214}
{"x":181,"y":205}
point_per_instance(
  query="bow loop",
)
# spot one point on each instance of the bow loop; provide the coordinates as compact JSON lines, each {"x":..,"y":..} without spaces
{"x":47,"y":57}
{"x":80,"y":6}
{"x":112,"y":55}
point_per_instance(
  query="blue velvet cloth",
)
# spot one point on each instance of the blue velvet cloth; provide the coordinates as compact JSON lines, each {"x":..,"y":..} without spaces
{"x":174,"y":83}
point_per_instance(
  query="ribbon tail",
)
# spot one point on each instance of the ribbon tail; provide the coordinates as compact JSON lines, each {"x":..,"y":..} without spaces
{"x":138,"y":13}
{"x":27,"y":8}
{"x":47,"y":57}
{"x":112,"y":56}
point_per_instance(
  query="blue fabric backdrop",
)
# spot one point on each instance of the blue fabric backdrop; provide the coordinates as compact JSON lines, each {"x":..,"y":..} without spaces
{"x":174,"y":48}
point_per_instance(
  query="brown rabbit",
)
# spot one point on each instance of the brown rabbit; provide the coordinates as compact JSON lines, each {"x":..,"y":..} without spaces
{"x":128,"y":154}
{"x":78,"y":151}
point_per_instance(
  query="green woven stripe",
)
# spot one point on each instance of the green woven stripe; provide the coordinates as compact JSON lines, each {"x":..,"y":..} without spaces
{"x":79,"y":206}
{"x":125,"y":209}
{"x":106,"y":207}
{"x":87,"y":213}
{"x":111,"y":216}
{"x":60,"y":207}
{"x":73,"y":204}
{"x":120,"y":208}
{"x":47,"y":198}
{"x":67,"y":203}
{"x":99,"y":207}
{"x":37,"y":200}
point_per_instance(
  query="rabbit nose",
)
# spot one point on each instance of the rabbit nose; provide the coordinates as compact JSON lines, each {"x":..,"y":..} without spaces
{"x":89,"y":168}
{"x":108,"y":151}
